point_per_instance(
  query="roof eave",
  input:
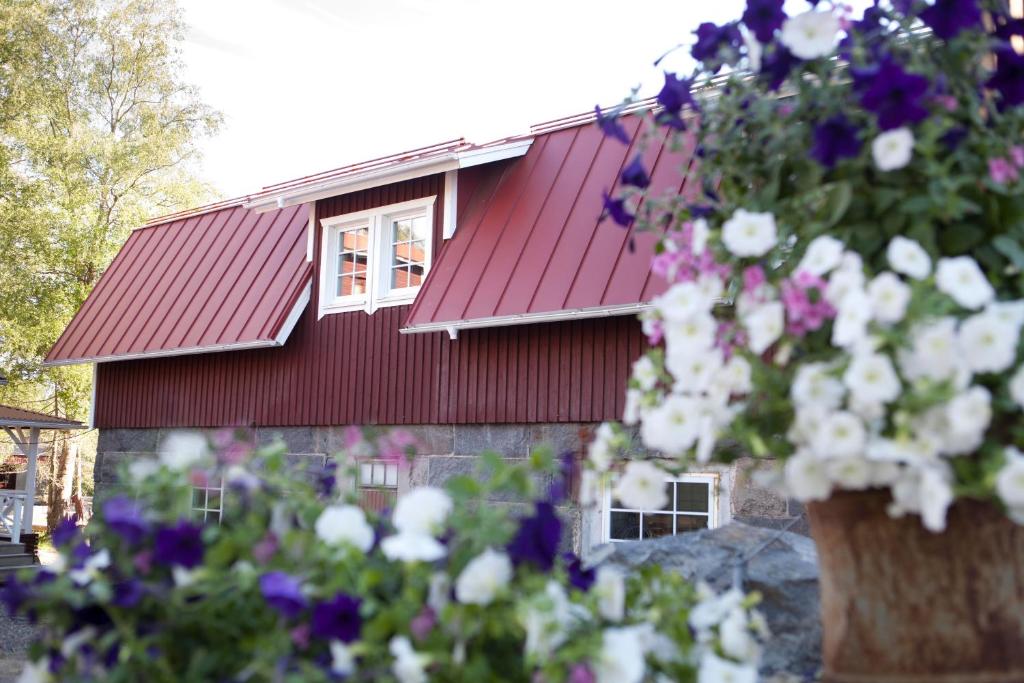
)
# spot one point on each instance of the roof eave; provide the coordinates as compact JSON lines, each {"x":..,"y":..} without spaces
{"x":40,"y":424}
{"x":452,"y":327}
{"x":416,"y":168}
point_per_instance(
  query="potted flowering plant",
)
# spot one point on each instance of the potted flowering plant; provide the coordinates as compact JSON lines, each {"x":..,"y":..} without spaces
{"x":294,"y":582}
{"x":845,"y":298}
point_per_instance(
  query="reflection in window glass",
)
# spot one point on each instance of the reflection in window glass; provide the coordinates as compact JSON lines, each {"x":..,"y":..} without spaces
{"x":688,"y":509}
{"x":408,"y":251}
{"x":353,"y":254}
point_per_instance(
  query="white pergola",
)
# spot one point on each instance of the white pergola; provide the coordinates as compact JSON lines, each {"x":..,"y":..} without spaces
{"x":23,"y":427}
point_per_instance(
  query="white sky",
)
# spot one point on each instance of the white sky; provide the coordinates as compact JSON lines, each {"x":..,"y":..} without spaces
{"x":309,"y":85}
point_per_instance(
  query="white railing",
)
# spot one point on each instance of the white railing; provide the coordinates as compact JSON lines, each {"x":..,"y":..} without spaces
{"x":11,"y":505}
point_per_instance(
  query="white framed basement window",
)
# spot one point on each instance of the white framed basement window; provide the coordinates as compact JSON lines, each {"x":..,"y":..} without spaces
{"x":377,"y":257}
{"x":208,"y":501}
{"x":692,"y":504}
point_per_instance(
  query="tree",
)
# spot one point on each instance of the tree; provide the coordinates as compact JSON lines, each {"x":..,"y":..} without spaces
{"x":97,"y":132}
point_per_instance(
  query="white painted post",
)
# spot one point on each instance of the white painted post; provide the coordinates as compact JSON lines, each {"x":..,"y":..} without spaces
{"x":31,"y":452}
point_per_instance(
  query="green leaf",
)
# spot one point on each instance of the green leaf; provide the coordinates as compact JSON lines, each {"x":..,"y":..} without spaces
{"x":1011,"y":249}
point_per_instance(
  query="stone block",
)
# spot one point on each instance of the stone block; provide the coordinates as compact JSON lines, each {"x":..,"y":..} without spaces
{"x":124,"y":440}
{"x":296,"y":439}
{"x":562,"y":437}
{"x":751,"y":500}
{"x":508,"y":440}
{"x":442,"y":468}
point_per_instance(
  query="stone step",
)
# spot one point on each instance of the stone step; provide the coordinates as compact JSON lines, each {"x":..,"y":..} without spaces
{"x":12,"y":548}
{"x":17,"y":560}
{"x":6,"y":571}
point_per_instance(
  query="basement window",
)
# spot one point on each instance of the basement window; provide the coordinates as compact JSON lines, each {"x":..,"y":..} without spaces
{"x":375,"y":258}
{"x":690,"y":506}
{"x":208,"y":501}
{"x":378,"y":484}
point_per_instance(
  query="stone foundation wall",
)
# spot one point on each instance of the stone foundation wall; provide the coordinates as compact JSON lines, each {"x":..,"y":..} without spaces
{"x":451,"y":450}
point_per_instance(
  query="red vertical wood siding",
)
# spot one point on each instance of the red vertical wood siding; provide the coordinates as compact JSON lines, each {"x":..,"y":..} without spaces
{"x":353,"y":368}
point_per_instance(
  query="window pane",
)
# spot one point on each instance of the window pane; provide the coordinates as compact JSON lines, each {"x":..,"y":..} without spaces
{"x":378,"y":474}
{"x":213,"y":499}
{"x":356,"y":239}
{"x":198,"y":498}
{"x":657,"y":525}
{"x":691,"y":497}
{"x":392,"y":475}
{"x":624,"y":526}
{"x":686,"y":523}
{"x":366,"y":473}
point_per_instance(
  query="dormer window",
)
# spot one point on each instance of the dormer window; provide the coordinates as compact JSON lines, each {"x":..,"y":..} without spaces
{"x":375,"y":258}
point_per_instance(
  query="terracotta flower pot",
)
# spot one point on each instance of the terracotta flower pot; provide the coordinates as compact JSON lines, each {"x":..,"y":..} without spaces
{"x":900,"y":604}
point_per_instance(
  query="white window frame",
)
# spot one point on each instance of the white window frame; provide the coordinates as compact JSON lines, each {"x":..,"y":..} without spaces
{"x":216,"y":483}
{"x":711,"y":480}
{"x":378,"y":261}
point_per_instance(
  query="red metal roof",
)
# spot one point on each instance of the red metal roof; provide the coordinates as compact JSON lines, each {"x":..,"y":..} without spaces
{"x":225,"y":279}
{"x":535,"y":248}
{"x":19,"y":417}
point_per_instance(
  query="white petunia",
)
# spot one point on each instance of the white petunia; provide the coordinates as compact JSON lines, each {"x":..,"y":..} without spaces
{"x":1017,"y":386}
{"x":1010,"y":483}
{"x":908,"y":257}
{"x":621,"y":659}
{"x":695,"y":333}
{"x":546,"y":619}
{"x":712,"y":608}
{"x":601,"y":451}
{"x":893,"y":149}
{"x":610,"y":589}
{"x":962,"y":279}
{"x":35,"y":672}
{"x":91,"y":569}
{"x":142,"y":469}
{"x":889,"y":297}
{"x":683,"y":300}
{"x":815,"y":386}
{"x":642,"y":486}
{"x":673,"y":426}
{"x":850,"y":473}
{"x":850,"y":328}
{"x":749,"y":233}
{"x":437,"y":591}
{"x":408,"y":666}
{"x":764,"y":325}
{"x":811,"y":35}
{"x":645,"y":372}
{"x":693,"y":372}
{"x":634,"y":404}
{"x":933,"y":352}
{"x":970,"y":412}
{"x":841,"y":434}
{"x":735,"y":376}
{"x":848,"y":277}
{"x":412,"y":547}
{"x":485,"y":577}
{"x":806,"y":423}
{"x":871,"y":378}
{"x":699,"y":238}
{"x":754,"y":51}
{"x":181,"y":450}
{"x":736,"y":639}
{"x":807,"y":478}
{"x":823,"y":254}
{"x":714,"y":669}
{"x":423,"y":510}
{"x":936,"y":495}
{"x":987,"y":342}
{"x":1011,"y":312}
{"x":343,"y":662}
{"x":339,"y":524}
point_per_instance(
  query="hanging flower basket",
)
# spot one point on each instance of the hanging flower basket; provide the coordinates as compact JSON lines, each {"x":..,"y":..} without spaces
{"x":846,"y":298}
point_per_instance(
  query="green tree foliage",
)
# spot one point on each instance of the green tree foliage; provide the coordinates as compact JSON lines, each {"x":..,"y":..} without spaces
{"x":98,"y":132}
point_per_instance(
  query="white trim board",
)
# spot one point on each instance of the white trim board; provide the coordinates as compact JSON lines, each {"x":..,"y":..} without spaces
{"x":416,"y":168}
{"x":453,"y":327}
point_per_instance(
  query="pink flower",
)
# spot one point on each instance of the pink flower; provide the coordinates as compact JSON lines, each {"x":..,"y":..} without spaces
{"x":235,"y":453}
{"x":300,"y":636}
{"x":581,"y":673}
{"x":353,"y":437}
{"x":753,"y":279}
{"x":807,"y":309}
{"x":199,"y":478}
{"x":143,"y":561}
{"x":1017,"y":155}
{"x":423,"y":623}
{"x":947,"y":102}
{"x":263,"y":551}
{"x":1002,"y":171}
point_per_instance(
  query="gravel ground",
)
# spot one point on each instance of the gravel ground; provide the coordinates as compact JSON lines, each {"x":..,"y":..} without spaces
{"x":15,"y":636}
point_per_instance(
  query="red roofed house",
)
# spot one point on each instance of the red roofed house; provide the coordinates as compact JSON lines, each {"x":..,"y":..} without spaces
{"x":469,"y":293}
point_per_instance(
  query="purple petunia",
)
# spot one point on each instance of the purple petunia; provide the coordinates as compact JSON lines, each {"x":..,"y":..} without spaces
{"x":14,"y":594}
{"x":895,"y":96}
{"x":536,"y":541}
{"x":1008,"y":80}
{"x":337,"y":619}
{"x":616,"y":209}
{"x":635,"y":174}
{"x":834,"y":139}
{"x":763,"y":17}
{"x":283,"y":592}
{"x":181,"y":545}
{"x":947,"y":18}
{"x":579,"y":577}
{"x":66,"y":531}
{"x":716,"y":45}
{"x":673,"y":96}
{"x":776,"y":65}
{"x":128,"y":593}
{"x":610,"y":126}
{"x":125,"y":518}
